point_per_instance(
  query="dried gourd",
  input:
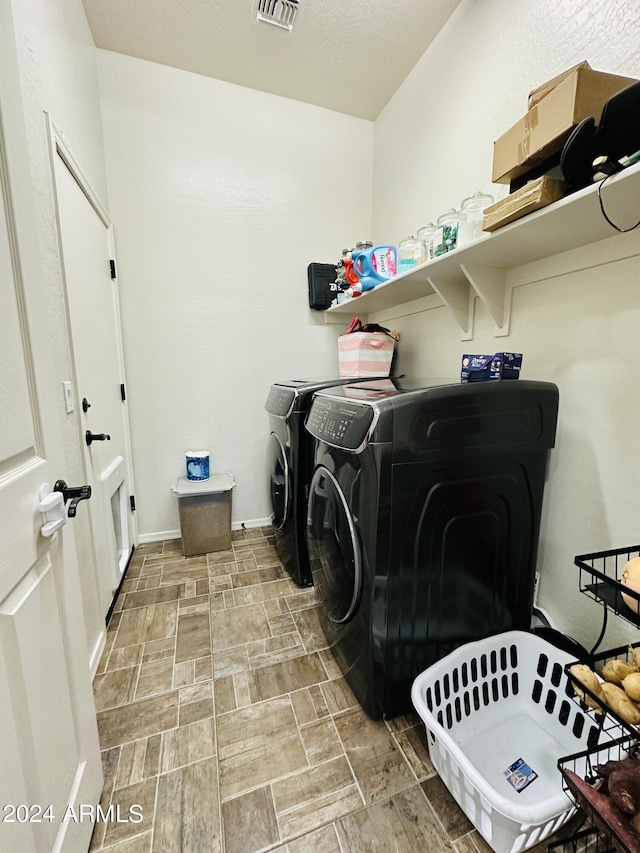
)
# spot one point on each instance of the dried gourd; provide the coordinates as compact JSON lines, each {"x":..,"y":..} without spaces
{"x":631,"y":686}
{"x":618,"y":701}
{"x":588,"y":679}
{"x":631,"y":579}
{"x":634,"y":656}
{"x":617,"y":670}
{"x":624,"y":788}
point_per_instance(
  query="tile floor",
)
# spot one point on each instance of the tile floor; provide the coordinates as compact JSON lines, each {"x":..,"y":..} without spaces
{"x":222,"y":713}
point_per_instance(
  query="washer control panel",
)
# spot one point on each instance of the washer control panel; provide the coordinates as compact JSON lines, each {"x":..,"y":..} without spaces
{"x":339,"y":423}
{"x":280,"y":401}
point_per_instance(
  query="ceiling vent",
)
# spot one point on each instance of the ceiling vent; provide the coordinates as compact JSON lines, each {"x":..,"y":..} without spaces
{"x":278,"y":13}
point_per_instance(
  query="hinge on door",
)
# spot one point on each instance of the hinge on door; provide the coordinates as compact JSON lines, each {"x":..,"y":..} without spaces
{"x":112,"y":265}
{"x":132,"y":501}
{"x":123,"y":393}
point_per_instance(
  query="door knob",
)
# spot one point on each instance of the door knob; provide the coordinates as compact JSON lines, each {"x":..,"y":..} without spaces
{"x":73,"y":494}
{"x":89,"y":436}
{"x":86,"y":405}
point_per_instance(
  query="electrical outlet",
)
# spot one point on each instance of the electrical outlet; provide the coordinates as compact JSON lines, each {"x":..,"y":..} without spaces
{"x":69,"y":397}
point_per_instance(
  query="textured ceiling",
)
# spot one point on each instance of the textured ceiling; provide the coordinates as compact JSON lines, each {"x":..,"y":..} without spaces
{"x":346,"y":55}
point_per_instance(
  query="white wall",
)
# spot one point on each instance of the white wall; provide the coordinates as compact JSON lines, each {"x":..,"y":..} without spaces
{"x":221,"y":197}
{"x":433,"y":147}
{"x":58,"y":74}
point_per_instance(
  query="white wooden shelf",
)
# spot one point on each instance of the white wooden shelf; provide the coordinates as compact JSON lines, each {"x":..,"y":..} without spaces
{"x":480,"y":268}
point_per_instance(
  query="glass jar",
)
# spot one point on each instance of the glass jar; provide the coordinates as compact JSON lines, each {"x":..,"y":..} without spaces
{"x":446,"y":237}
{"x":426,"y":235}
{"x":409,"y":254}
{"x":473,"y":210}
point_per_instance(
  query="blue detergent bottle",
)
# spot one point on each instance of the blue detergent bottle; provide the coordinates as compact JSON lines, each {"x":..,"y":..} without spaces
{"x":375,"y":265}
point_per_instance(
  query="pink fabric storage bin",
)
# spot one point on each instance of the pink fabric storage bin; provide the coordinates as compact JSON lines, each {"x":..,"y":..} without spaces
{"x":365,"y":354}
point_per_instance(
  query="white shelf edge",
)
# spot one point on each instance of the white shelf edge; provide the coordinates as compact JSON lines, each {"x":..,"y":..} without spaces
{"x":570,"y":223}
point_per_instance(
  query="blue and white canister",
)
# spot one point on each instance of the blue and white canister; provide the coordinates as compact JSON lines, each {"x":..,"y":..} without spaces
{"x":197,"y":464}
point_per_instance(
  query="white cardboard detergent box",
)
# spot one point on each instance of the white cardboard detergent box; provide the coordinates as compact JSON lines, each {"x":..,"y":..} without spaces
{"x":481,"y":368}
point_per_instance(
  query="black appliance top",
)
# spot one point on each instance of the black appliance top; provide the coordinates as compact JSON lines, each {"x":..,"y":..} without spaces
{"x":432,"y":416}
{"x":295,"y":394}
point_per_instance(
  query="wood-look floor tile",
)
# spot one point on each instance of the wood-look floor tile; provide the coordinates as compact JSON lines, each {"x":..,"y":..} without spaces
{"x":413,"y":743}
{"x":115,"y":688}
{"x":246,"y":562}
{"x":195,"y":604}
{"x":279,"y":617}
{"x":138,"y":719}
{"x":143,"y":624}
{"x":106,"y":653}
{"x":338,"y":696}
{"x":155,"y":677}
{"x":183,"y":674}
{"x":230,"y":661}
{"x":398,"y":724}
{"x":257,"y":576}
{"x":138,"y":844}
{"x":266,"y":555}
{"x":142,"y":794}
{"x":449,"y":812}
{"x":194,"y":636}
{"x":257,"y":745}
{"x":187,"y":815}
{"x":404,"y":823}
{"x":203,"y":669}
{"x":159,"y":649}
{"x":323,"y":840}
{"x":274,"y":650}
{"x":224,"y":694}
{"x":157,"y":595}
{"x":302,"y":599}
{"x":314,"y":797}
{"x":285,"y":677}
{"x":330,"y":664}
{"x":310,"y":630}
{"x":110,"y":760}
{"x":194,"y":711}
{"x":149,"y":548}
{"x":125,"y":657}
{"x":188,"y":570}
{"x":309,"y":705}
{"x":138,"y":761}
{"x":218,"y":557}
{"x":238,"y":626}
{"x":221,"y":583}
{"x":378,"y":764}
{"x":260,"y":592}
{"x":241,"y":688}
{"x":249,"y":822}
{"x":196,"y":692}
{"x":149,"y":581}
{"x":187,"y":744}
{"x":321,"y":741}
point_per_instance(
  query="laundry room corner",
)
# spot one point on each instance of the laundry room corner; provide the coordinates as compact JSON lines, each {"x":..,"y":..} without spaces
{"x":222,"y":197}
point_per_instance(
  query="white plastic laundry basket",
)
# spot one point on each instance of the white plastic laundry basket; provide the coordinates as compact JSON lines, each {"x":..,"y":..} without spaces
{"x":495,"y":710}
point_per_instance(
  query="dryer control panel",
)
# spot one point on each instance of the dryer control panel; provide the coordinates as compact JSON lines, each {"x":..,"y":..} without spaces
{"x":280,"y":401}
{"x":340,"y":423}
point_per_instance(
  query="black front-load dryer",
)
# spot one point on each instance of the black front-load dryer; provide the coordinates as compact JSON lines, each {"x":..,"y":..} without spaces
{"x":289,"y":467}
{"x":423,"y":520}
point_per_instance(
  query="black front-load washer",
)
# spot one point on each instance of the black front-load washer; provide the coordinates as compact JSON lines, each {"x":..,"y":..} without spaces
{"x":289,"y":467}
{"x":423,"y":520}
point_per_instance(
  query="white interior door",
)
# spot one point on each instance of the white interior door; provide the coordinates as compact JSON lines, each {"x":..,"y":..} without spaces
{"x":49,"y":751}
{"x":94,"y":322}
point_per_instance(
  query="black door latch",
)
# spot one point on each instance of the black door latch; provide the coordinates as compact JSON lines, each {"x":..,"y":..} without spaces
{"x":90,"y":437}
{"x":74,"y":494}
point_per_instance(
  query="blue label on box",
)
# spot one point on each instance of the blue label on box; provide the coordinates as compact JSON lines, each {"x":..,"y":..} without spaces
{"x":519,"y":775}
{"x":481,"y":368}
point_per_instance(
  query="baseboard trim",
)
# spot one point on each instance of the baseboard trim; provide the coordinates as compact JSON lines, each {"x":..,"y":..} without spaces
{"x":101,"y":642}
{"x":161,"y":535}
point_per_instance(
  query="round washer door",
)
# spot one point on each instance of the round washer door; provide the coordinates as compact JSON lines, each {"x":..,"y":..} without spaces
{"x":336,"y":562}
{"x":279,"y":481}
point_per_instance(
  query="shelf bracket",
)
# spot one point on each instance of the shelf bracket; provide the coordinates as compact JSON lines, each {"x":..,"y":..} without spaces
{"x":458,"y":296}
{"x":491,"y":286}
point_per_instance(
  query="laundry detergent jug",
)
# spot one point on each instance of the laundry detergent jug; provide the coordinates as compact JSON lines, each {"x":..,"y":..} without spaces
{"x":375,"y":265}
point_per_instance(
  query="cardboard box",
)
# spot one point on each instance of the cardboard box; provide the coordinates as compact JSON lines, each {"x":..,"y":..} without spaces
{"x":363,"y":354}
{"x":547,"y":125}
{"x":532,"y":196}
{"x":484,"y":368}
{"x":543,"y":90}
